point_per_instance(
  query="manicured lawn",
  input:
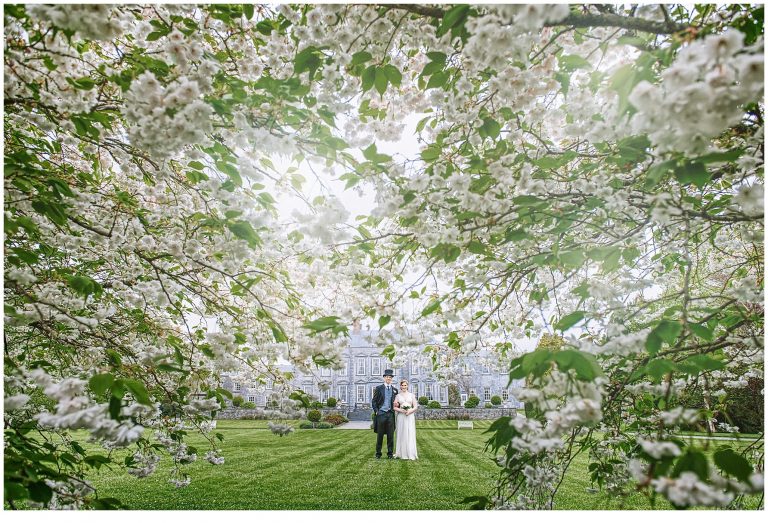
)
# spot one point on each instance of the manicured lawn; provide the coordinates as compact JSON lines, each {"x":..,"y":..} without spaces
{"x":335,"y":469}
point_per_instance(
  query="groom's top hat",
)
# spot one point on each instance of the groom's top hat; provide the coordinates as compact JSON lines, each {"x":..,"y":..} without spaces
{"x":389,"y":372}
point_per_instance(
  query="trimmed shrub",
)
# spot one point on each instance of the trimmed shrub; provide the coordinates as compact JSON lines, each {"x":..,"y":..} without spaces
{"x":237,"y":401}
{"x":457,"y":416}
{"x":248,"y":405}
{"x":331,"y":402}
{"x":434,"y":404}
{"x":310,"y":425}
{"x":314,"y":416}
{"x":488,"y":406}
{"x":472,"y":402}
{"x":496,"y":400}
{"x":423,"y":400}
{"x":335,"y":419}
{"x":316,"y":405}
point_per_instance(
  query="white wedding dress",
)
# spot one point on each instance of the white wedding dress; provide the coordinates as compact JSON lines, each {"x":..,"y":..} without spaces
{"x":405,"y":428}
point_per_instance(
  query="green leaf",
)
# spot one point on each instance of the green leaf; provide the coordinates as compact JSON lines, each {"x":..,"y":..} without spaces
{"x":653,"y":343}
{"x":693,"y":172}
{"x":360,"y":57}
{"x":569,"y":320}
{"x":446,"y":251}
{"x":325,"y":323}
{"x":393,"y":74}
{"x":437,"y":80}
{"x":704,"y":362}
{"x":100,"y":383}
{"x":371,"y":154}
{"x":83,"y":285}
{"x":380,"y":80}
{"x":659,"y":367}
{"x":248,"y":11}
{"x":490,"y":128}
{"x":571,"y":62}
{"x":383,"y":321}
{"x":437,"y":56}
{"x":368,"y":77}
{"x":244,"y":230}
{"x":733,"y":464}
{"x":453,"y":17}
{"x":224,"y":392}
{"x":584,"y":364}
{"x":431,"y":153}
{"x":84,"y":84}
{"x":139,"y":391}
{"x":727,"y":156}
{"x":692,"y":461}
{"x":389,"y":351}
{"x":572,"y":259}
{"x":431,"y":307}
{"x":702,"y":331}
{"x":307,"y":60}
{"x":477,"y":247}
{"x":668,"y":330}
{"x":536,"y":362}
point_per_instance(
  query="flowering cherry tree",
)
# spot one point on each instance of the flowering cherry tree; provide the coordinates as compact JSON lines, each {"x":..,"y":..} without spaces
{"x":590,"y":171}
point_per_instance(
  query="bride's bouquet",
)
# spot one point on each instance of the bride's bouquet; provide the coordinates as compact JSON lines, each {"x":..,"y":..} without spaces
{"x":405,"y":406}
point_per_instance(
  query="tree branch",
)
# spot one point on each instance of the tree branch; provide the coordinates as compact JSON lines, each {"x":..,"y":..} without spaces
{"x":605,"y":19}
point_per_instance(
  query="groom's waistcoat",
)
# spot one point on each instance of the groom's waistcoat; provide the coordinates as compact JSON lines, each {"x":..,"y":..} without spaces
{"x":379,"y":394}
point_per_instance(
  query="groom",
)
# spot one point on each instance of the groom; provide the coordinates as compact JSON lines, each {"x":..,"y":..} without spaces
{"x":383,"y":407}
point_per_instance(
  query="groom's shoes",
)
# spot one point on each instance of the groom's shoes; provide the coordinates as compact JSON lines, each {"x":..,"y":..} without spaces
{"x":378,"y":456}
{"x":390,"y":457}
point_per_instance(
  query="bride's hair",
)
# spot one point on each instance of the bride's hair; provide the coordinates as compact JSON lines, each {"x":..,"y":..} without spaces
{"x":403,"y":381}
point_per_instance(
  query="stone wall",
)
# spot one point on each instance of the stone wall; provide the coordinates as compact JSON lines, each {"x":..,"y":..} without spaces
{"x":421,"y":413}
{"x":460,"y":413}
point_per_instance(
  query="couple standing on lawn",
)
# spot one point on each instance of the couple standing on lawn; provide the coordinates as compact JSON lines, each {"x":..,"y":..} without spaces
{"x":395,"y":410}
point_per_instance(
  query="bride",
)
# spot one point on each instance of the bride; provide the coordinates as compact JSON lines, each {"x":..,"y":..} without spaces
{"x":405,"y":423}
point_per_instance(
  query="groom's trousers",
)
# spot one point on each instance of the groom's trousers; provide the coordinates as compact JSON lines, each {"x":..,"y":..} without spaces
{"x":385,"y":423}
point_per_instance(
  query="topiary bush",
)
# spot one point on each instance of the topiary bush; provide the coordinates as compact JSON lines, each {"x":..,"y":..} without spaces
{"x":237,"y":401}
{"x":472,"y":402}
{"x":310,"y":425}
{"x":316,"y":405}
{"x":248,"y":405}
{"x":488,"y":406}
{"x":423,"y":400}
{"x":314,"y":416}
{"x":496,"y":400}
{"x":331,"y":402}
{"x":434,"y":404}
{"x":335,"y":419}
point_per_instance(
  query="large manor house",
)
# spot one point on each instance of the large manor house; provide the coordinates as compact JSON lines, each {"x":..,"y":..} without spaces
{"x":353,"y":385}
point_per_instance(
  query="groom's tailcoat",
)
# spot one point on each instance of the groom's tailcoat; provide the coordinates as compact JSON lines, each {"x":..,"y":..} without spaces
{"x":378,"y":401}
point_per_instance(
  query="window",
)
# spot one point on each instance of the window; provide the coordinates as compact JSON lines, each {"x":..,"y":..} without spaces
{"x":486,"y":369}
{"x":414,"y":388}
{"x":375,"y":366}
{"x":360,"y":367}
{"x":443,"y":392}
{"x":473,"y":392}
{"x":342,"y":393}
{"x":428,"y":392}
{"x":487,"y":394}
{"x":415,"y":367}
{"x":463,"y":398}
{"x":237,"y":387}
{"x":342,"y":371}
{"x":269,"y":384}
{"x":325,"y":371}
{"x":324,"y":395}
{"x":505,"y":394}
{"x":361,"y":393}
{"x":252,"y":399}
